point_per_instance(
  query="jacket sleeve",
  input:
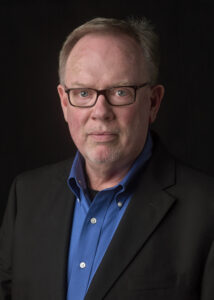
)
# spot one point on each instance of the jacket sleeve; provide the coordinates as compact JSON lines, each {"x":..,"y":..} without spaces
{"x":208,"y":277}
{"x":6,"y":245}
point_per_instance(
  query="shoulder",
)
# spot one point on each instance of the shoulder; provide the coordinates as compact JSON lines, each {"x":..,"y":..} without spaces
{"x":179,"y":178}
{"x":184,"y":173}
{"x":194,"y":187}
{"x":44,"y":175}
{"x":192,"y":190}
{"x":190,"y":175}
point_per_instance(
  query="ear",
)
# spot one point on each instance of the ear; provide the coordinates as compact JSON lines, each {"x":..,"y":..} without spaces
{"x":64,"y":100}
{"x":157,"y":93}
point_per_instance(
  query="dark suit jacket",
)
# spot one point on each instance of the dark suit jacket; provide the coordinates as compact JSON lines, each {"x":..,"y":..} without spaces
{"x":162,"y":249}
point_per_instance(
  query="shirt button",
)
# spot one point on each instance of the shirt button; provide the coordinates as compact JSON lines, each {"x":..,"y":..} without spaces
{"x":93,"y":220}
{"x":82,"y":265}
{"x":119,"y":204}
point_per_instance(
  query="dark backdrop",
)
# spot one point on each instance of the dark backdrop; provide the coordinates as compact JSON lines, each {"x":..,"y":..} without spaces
{"x":33,"y":132}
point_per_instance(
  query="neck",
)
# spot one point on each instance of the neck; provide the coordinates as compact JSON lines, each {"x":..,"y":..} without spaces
{"x":102,"y":177}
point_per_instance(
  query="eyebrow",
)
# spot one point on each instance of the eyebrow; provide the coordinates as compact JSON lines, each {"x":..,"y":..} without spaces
{"x":124,"y":83}
{"x":79,"y":84}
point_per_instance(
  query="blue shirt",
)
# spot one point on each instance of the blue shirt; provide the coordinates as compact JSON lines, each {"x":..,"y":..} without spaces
{"x":94,"y":223}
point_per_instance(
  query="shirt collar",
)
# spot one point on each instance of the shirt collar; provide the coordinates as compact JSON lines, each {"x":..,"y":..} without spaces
{"x":77,"y":179}
{"x":140,"y":161}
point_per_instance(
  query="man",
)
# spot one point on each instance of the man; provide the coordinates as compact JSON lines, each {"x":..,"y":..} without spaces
{"x":124,"y":220}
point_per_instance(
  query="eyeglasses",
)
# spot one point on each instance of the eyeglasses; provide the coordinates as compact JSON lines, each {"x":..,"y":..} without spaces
{"x":115,"y":96}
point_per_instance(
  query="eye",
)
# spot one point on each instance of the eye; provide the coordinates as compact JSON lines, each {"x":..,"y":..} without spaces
{"x":84,"y":93}
{"x":121,"y":92}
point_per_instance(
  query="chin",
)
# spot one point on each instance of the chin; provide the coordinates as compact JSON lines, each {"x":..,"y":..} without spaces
{"x":104,"y":156}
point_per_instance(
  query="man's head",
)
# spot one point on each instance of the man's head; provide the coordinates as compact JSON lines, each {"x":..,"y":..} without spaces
{"x":100,"y":55}
{"x":141,"y":30}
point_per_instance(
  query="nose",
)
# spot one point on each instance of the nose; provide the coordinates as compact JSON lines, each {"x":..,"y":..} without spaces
{"x":102,"y":110}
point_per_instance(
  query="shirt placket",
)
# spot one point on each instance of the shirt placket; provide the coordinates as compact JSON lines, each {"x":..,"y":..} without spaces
{"x":89,"y":240}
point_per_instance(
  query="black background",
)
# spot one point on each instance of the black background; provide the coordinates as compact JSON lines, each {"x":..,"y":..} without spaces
{"x":32,"y":129}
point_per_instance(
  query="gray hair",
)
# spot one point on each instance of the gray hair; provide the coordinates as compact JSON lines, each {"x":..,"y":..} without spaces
{"x":141,"y":30}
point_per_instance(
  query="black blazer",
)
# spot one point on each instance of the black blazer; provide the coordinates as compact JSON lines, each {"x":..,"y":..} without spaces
{"x":162,"y":250}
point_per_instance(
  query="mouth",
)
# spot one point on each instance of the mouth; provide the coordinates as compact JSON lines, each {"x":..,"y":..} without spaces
{"x":102,"y":136}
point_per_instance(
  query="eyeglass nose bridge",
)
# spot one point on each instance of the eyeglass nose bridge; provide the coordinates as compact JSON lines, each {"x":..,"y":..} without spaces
{"x":104,"y":93}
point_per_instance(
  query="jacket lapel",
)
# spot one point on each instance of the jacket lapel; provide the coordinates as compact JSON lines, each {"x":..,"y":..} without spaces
{"x":60,"y":219}
{"x":147,"y":208}
{"x":62,"y":240}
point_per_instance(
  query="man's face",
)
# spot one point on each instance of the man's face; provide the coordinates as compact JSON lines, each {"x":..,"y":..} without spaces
{"x":105,"y":134}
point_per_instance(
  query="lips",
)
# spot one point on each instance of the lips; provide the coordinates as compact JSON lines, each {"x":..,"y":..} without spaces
{"x":102,"y":136}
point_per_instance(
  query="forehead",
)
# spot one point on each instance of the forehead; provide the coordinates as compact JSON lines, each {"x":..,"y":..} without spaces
{"x":107,"y":53}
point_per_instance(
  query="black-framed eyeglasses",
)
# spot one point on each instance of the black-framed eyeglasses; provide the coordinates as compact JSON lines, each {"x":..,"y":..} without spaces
{"x":116,"y":96}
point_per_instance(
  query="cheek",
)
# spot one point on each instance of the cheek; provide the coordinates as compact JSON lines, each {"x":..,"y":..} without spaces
{"x":136,"y":120}
{"x":76,"y":126}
